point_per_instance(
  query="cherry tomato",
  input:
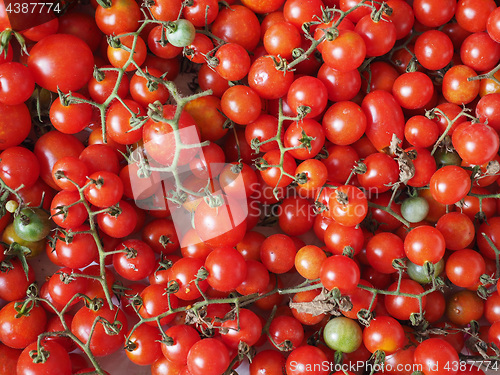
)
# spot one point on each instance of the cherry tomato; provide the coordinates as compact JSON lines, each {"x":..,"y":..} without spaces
{"x":61,"y":61}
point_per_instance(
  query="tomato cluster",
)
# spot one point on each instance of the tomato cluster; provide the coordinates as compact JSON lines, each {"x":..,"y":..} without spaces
{"x":365,"y":133}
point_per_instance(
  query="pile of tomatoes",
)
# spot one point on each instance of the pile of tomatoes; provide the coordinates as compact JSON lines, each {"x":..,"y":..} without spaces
{"x":319,"y":195}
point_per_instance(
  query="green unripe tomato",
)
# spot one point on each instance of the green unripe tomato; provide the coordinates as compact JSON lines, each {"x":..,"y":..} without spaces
{"x":445,"y":157}
{"x":32,"y":224}
{"x":181,"y":33}
{"x":414,"y":209}
{"x":417,"y":273}
{"x":343,"y":334}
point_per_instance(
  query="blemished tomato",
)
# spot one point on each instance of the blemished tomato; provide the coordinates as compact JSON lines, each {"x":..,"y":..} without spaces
{"x":266,"y":80}
{"x":135,"y":262}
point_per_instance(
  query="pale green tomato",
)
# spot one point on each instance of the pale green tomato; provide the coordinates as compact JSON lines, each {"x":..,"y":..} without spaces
{"x":414,"y":209}
{"x":183,"y":33}
{"x":343,"y":334}
{"x":417,"y":273}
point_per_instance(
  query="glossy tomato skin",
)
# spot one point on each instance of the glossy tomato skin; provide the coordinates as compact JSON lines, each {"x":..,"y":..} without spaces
{"x":306,"y":357}
{"x":81,"y":25}
{"x":19,"y":332}
{"x":19,"y":166}
{"x":118,"y":57}
{"x":384,"y":118}
{"x":79,"y":252}
{"x":208,"y":357}
{"x":381,"y":173}
{"x":382,"y":249}
{"x":401,"y":307}
{"x":384,"y":333}
{"x":156,"y":302}
{"x":314,"y":140}
{"x":99,"y":91}
{"x":338,"y":236}
{"x":277,"y":253}
{"x":121,"y":17}
{"x":226,"y":267}
{"x":308,"y":91}
{"x":457,"y":87}
{"x":159,"y":139}
{"x":51,"y":147}
{"x":268,"y":361}
{"x":379,"y":37}
{"x":449,"y":184}
{"x":8,"y":359}
{"x":476,"y":143}
{"x":16,"y":83}
{"x":13,"y":281}
{"x":184,"y":337}
{"x":147,"y":345}
{"x":101,"y":343}
{"x":248,"y":329}
{"x":296,"y":216}
{"x":57,"y":363}
{"x":424,"y":244}
{"x":221,"y":226}
{"x":105,"y":189}
{"x":184,"y":271}
{"x":72,"y":118}
{"x":345,"y":53}
{"x":61,"y":61}
{"x":340,"y":272}
{"x":14,"y":114}
{"x":267,"y":81}
{"x":433,"y":13}
{"x":348,"y":205}
{"x":118,"y":120}
{"x":438,"y":355}
{"x":134,"y":267}
{"x":340,"y":86}
{"x":238,"y":25}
